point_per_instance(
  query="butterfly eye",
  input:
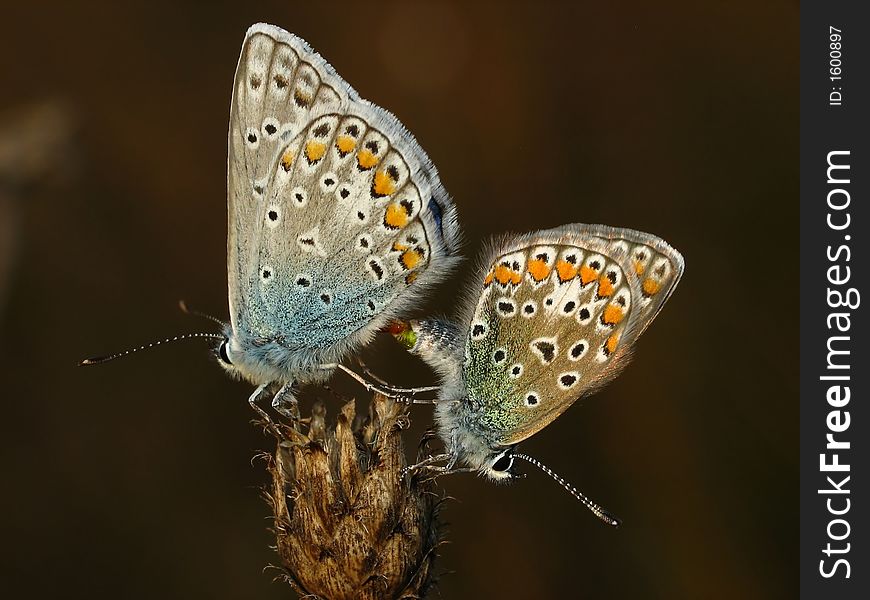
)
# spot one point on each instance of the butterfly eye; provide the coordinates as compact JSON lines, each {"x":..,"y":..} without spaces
{"x":503,"y":463}
{"x":222,"y":353}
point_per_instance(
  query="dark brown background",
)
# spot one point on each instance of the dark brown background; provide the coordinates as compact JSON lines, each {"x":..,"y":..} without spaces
{"x":134,"y":480}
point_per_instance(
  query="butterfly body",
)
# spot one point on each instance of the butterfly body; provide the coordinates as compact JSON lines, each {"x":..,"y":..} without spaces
{"x":337,"y":219}
{"x":554,"y":317}
{"x":269,"y":359}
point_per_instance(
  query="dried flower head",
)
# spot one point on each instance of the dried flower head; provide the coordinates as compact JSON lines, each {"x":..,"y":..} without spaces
{"x":348,"y":524}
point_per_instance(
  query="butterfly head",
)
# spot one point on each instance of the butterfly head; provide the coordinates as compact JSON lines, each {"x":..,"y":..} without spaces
{"x":499,"y":465}
{"x":231,"y":356}
{"x":255,"y":359}
{"x":223,"y":354}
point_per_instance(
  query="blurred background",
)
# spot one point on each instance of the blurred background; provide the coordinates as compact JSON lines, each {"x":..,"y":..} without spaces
{"x":135,"y":480}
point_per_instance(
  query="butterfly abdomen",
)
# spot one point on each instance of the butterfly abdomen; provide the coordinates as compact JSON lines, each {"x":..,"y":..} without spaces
{"x":437,"y":342}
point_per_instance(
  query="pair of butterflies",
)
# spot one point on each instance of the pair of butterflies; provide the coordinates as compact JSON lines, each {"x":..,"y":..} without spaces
{"x":339,"y":225}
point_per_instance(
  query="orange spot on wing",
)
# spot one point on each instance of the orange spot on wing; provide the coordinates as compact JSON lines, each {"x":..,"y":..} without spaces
{"x":605,"y":288}
{"x":345,"y":144}
{"x":314,"y":150}
{"x":638,"y":267}
{"x":612,"y":315}
{"x":503,"y":275}
{"x":516,"y":278}
{"x":396,"y":216}
{"x":587,"y":274}
{"x":410,"y":259}
{"x":287,"y":160}
{"x":366,"y":159}
{"x":611,"y":343}
{"x":538,"y":269}
{"x":384,"y":185}
{"x":650,"y":286}
{"x":566,"y":270}
{"x":488,"y":279}
{"x":399,"y":247}
{"x":411,"y":278}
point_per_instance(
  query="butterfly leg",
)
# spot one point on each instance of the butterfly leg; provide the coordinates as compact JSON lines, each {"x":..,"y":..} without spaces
{"x":398,"y":394}
{"x":426,"y":463}
{"x":254,"y":398}
{"x":384,"y":385}
{"x":285,"y":402}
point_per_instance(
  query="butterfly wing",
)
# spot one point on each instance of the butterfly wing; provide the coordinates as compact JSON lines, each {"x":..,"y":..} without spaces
{"x":557,"y":316}
{"x":337,"y":218}
{"x":657,"y":266}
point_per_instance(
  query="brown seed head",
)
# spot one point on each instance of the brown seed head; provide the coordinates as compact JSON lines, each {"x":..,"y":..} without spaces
{"x":348,"y":524}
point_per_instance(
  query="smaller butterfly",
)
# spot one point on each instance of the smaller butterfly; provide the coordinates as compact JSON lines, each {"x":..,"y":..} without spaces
{"x":554,"y":318}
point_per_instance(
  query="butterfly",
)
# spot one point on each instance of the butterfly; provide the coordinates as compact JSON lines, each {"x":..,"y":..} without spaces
{"x":553,"y":317}
{"x":337,"y":220}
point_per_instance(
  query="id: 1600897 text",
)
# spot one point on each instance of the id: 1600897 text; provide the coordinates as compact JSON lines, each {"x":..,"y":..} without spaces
{"x":835,"y":65}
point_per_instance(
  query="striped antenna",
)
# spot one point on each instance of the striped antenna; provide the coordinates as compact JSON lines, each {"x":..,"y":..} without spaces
{"x":189,"y":311}
{"x":103,"y":359}
{"x":595,"y":508}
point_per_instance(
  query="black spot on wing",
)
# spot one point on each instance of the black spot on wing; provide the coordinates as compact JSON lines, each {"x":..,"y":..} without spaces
{"x":567,"y":380}
{"x":547,"y":350}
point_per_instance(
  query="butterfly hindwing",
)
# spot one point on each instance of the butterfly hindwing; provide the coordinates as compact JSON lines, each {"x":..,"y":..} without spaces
{"x":358,"y":232}
{"x":557,"y":315}
{"x":337,"y":216}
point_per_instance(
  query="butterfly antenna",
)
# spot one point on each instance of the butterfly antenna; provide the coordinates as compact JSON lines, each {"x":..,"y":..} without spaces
{"x":103,"y":359}
{"x":595,"y":508}
{"x":189,"y":311}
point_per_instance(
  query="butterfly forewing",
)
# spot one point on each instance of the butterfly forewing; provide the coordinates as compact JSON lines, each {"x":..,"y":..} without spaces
{"x":558,"y":313}
{"x":655,"y":264}
{"x":335,"y":211}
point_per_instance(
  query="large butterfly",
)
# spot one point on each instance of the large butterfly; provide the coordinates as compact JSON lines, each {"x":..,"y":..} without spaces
{"x":337,"y":219}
